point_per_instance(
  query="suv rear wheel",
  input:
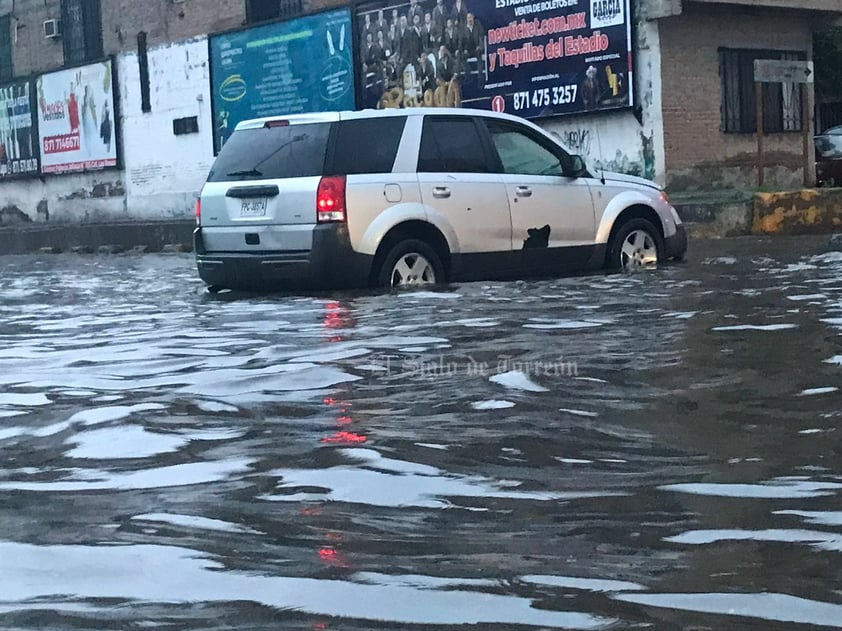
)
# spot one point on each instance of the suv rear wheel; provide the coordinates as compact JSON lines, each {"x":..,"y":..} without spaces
{"x":411,"y":263}
{"x":636,"y":244}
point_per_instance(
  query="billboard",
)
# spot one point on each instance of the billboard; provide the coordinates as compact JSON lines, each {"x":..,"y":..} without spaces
{"x":303,"y":65}
{"x":19,"y":155}
{"x":533,"y":58}
{"x":76,"y":119}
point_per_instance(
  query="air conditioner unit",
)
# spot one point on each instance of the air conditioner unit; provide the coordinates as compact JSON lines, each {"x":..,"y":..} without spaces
{"x":52,"y":29}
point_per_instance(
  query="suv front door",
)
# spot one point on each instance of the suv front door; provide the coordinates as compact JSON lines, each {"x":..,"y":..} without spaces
{"x":549,"y":208}
{"x":455,"y":172}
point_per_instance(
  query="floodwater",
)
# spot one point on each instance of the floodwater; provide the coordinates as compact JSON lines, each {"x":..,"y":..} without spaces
{"x":649,"y":451}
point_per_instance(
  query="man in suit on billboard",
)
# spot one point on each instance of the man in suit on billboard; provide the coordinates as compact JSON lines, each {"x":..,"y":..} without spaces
{"x":459,"y":13}
{"x":410,"y":42}
{"x":430,"y":35}
{"x":473,"y":37}
{"x":451,"y":38}
{"x":381,"y":24}
{"x":414,"y":10}
{"x":439,"y":15}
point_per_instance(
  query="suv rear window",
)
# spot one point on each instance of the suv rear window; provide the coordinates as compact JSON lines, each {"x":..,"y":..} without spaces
{"x":272,"y":153}
{"x":367,"y":145}
{"x":451,"y":145}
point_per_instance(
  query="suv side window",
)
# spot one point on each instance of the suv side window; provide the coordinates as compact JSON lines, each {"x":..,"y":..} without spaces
{"x":367,"y":145}
{"x":451,"y":145}
{"x":521,"y":154}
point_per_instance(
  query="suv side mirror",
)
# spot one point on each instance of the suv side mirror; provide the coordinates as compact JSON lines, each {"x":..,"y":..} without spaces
{"x":575,"y":167}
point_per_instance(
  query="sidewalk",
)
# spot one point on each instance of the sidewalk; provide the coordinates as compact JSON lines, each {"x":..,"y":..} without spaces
{"x":738,"y":213}
{"x":142,"y":236}
{"x":707,"y":215}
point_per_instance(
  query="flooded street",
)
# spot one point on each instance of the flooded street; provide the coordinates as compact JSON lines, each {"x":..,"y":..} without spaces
{"x":658,"y":451}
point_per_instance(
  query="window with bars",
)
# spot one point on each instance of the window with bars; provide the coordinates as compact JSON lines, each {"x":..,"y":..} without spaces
{"x":7,"y":70}
{"x":782,"y":109}
{"x":81,"y":22}
{"x":262,"y":10}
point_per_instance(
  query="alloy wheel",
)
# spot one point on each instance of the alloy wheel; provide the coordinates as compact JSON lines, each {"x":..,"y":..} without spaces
{"x":411,"y":270}
{"x":639,"y":250}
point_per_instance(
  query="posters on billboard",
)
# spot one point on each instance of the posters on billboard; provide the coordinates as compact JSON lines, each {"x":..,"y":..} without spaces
{"x":18,"y":142}
{"x":76,"y":119}
{"x":303,"y":65}
{"x":533,"y":58}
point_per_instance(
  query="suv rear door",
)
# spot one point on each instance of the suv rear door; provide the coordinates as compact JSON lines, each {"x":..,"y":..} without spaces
{"x":364,"y":149}
{"x":456,"y":179}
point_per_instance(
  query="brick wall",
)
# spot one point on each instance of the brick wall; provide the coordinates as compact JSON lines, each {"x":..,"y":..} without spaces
{"x":31,"y":51}
{"x":164,"y":21}
{"x":698,"y":155}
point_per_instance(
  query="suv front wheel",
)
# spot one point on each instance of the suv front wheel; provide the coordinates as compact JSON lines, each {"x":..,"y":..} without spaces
{"x":411,"y":263}
{"x":635,"y":245}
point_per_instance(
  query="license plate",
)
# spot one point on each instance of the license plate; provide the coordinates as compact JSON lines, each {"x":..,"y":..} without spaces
{"x":253,"y":208}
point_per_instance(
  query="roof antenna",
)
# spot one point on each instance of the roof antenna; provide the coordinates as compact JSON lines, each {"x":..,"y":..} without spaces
{"x":601,"y":159}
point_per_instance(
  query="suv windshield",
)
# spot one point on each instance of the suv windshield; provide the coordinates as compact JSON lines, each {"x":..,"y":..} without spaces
{"x":272,"y":153}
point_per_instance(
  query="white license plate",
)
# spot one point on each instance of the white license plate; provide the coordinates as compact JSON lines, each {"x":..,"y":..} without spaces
{"x":253,"y":208}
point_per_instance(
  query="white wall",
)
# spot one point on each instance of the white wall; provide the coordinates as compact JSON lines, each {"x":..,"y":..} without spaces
{"x":67,"y":198}
{"x":162,"y":173}
{"x":165,"y":172}
{"x":617,"y":141}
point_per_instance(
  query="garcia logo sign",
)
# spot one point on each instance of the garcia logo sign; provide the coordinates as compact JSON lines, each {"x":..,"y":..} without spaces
{"x":606,"y":13}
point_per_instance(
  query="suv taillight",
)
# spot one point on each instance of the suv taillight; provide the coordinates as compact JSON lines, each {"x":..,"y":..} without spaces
{"x":198,"y":211}
{"x":330,"y":199}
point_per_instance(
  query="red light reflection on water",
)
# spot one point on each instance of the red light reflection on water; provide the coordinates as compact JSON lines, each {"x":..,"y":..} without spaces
{"x":344,"y":437}
{"x":333,"y":557}
{"x":327,"y":554}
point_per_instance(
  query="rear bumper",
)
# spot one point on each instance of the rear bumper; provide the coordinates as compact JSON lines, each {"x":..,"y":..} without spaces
{"x":330,"y":263}
{"x":676,"y":245}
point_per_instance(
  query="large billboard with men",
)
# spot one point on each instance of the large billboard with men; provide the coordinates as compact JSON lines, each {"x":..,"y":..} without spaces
{"x":526,"y":57}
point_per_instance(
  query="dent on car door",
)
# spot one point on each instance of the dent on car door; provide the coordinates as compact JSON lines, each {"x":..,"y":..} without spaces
{"x":548,"y":209}
{"x":457,"y":182}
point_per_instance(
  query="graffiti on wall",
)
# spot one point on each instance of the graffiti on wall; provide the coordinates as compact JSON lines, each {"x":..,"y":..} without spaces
{"x":578,"y":140}
{"x":585,"y":142}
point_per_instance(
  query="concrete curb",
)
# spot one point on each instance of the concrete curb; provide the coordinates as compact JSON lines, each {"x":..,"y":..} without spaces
{"x":105,"y":238}
{"x":808,"y":211}
{"x":811,"y":211}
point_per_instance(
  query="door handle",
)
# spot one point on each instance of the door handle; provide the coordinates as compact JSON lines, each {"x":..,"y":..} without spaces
{"x":523,"y":191}
{"x":441,"y":192}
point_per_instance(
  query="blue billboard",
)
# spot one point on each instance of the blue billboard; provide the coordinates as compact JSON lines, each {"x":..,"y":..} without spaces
{"x":293,"y":67}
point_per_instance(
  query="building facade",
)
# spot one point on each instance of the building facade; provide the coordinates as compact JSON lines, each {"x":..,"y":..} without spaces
{"x":141,"y":83}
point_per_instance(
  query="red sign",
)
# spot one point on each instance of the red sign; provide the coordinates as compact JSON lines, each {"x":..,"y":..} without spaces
{"x":498,"y":104}
{"x":61,"y":144}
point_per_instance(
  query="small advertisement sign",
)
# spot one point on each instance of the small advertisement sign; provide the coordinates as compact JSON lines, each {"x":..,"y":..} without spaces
{"x":76,"y":121}
{"x":19,"y":155}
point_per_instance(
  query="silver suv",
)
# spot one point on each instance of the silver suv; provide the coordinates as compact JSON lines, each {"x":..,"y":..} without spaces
{"x":413,"y":197}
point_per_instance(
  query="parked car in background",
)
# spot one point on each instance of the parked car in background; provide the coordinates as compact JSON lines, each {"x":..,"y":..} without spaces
{"x":829,"y":157}
{"x":421,"y":196}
